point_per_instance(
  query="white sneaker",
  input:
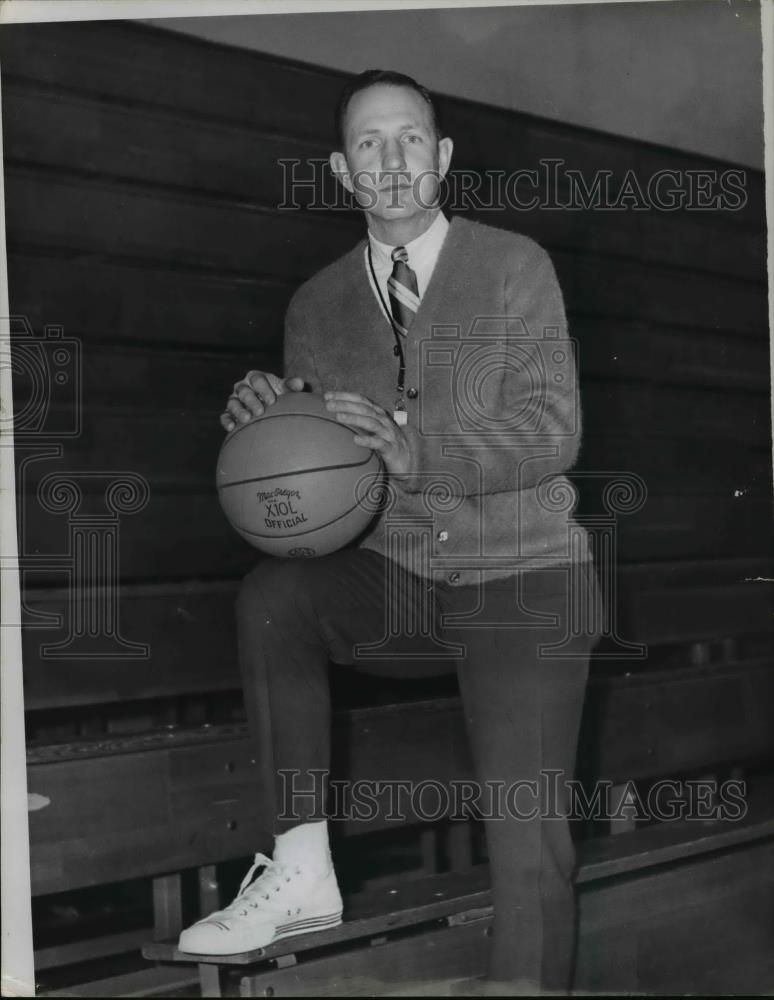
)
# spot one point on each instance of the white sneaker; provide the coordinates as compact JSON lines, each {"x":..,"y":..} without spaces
{"x":287,"y":899}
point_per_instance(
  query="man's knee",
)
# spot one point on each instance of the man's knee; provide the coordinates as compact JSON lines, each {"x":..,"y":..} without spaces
{"x":273,"y":587}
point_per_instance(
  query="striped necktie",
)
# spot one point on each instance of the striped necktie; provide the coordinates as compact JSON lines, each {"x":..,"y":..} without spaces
{"x":403,"y":291}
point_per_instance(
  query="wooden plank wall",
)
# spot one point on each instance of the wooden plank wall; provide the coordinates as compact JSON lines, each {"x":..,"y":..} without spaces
{"x":142,"y":192}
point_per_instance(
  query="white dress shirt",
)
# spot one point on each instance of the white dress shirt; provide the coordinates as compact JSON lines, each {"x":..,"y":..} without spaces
{"x":422,"y":256}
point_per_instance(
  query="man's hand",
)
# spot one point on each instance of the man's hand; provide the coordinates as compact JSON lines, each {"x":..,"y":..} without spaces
{"x":376,"y":429}
{"x":253,"y":394}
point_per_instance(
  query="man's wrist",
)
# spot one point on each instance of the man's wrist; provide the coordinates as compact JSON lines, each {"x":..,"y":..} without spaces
{"x":409,"y":481}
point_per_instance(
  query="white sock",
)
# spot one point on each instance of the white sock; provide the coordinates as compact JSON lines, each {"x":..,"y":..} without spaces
{"x":305,"y":844}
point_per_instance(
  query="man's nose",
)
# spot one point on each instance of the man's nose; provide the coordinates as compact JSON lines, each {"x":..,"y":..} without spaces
{"x":393,"y":158}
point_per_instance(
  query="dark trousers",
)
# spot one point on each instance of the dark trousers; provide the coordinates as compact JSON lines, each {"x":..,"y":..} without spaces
{"x":522,"y":704}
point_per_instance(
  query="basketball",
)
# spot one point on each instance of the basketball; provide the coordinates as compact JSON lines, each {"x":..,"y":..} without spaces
{"x":293,"y":483}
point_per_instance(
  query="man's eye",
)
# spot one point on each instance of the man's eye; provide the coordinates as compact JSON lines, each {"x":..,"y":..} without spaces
{"x":413,"y":138}
{"x":366,"y":143}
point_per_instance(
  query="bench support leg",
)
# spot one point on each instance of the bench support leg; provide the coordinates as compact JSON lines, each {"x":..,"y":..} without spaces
{"x":428,"y":845}
{"x":167,"y":906}
{"x":459,"y":845}
{"x":209,"y":979}
{"x":209,"y":890}
{"x":619,"y":799}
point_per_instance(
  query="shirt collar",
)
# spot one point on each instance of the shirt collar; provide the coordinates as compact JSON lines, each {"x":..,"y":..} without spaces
{"x":424,"y":248}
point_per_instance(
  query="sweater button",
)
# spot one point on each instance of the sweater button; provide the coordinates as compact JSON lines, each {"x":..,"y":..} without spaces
{"x":412,"y":393}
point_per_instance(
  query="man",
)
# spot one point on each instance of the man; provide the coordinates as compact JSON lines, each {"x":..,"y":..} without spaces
{"x":444,"y":347}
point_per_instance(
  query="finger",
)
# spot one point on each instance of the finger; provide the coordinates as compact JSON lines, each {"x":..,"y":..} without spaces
{"x":276,"y":384}
{"x":368,"y":423}
{"x":372,"y":441}
{"x":356,"y":406}
{"x":294,"y":383}
{"x":227,"y":422}
{"x":350,"y":397}
{"x":238,"y":412}
{"x":254,"y":403}
{"x":264,"y":387}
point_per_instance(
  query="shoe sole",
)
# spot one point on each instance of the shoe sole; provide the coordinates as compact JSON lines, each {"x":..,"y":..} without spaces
{"x":293,"y":929}
{"x":308,"y":925}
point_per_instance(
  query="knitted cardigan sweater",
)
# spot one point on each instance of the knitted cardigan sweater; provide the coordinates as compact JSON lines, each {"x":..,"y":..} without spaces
{"x":493,"y":411}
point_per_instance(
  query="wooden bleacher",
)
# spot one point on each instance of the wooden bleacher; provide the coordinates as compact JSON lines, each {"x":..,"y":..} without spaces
{"x":199,"y":804}
{"x":142,"y":218}
{"x":449,"y":914}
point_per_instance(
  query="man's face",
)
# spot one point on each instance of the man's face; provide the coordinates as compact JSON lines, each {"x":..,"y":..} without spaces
{"x":393,"y":161}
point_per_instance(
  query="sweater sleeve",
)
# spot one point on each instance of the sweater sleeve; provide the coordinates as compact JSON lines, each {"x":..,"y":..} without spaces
{"x":514,"y":414}
{"x":298,"y":349}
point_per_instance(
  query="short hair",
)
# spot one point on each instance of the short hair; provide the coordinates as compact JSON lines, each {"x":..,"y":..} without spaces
{"x":386,"y":77}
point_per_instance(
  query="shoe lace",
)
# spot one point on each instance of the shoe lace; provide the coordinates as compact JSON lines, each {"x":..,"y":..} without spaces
{"x":275,"y":875}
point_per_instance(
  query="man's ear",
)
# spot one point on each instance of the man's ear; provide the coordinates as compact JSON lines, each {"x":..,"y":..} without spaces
{"x":338,"y":162}
{"x":445,"y":150}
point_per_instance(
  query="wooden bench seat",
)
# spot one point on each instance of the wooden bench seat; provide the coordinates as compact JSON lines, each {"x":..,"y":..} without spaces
{"x":199,"y":805}
{"x":200,"y":801}
{"x":463,"y":899}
